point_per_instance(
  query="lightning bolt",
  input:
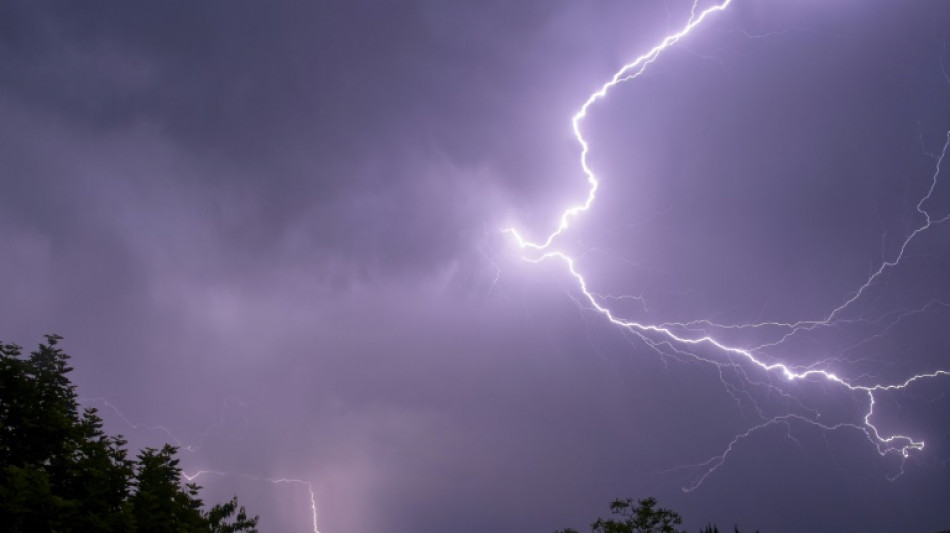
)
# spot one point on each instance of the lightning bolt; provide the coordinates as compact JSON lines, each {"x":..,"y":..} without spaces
{"x":627,"y":72}
{"x":191,"y":448}
{"x":226,"y":406}
{"x":278,"y":481}
{"x":685,"y":338}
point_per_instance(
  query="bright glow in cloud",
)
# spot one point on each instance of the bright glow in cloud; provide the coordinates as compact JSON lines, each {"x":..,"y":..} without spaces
{"x":544,"y":250}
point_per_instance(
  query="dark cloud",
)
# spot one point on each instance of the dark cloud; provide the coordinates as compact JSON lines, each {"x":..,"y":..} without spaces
{"x":273,"y":229}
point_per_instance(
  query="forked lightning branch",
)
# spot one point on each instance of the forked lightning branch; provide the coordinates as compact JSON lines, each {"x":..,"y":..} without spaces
{"x":547,"y":250}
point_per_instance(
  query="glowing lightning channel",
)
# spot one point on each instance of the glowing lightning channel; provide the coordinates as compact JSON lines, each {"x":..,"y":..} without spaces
{"x":543,"y":251}
{"x":279,"y":481}
{"x":193,"y":448}
{"x":627,"y":72}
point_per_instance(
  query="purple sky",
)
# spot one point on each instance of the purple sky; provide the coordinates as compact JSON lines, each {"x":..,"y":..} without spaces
{"x":274,"y":229}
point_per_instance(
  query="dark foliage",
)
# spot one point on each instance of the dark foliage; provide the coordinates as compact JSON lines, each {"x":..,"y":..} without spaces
{"x":713,"y":529}
{"x":645,"y":517}
{"x":60,"y":472}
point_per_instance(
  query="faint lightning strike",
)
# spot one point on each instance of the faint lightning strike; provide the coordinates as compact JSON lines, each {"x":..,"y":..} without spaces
{"x":193,"y":448}
{"x":226,"y":405}
{"x":928,"y":222}
{"x":543,"y":251}
{"x":135,"y":425}
{"x":279,"y":481}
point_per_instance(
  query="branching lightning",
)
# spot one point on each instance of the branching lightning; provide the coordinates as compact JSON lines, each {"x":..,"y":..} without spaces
{"x":627,"y":72}
{"x":138,"y":426}
{"x":685,"y":338}
{"x":277,"y":481}
{"x":191,"y":448}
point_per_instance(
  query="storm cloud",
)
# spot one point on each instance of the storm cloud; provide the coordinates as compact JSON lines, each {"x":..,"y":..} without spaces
{"x":275,"y":231}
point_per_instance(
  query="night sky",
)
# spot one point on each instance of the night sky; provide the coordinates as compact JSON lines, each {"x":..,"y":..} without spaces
{"x":273,"y":234}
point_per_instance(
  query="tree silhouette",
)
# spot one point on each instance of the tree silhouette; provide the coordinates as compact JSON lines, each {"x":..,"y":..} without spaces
{"x":713,"y":529}
{"x":160,"y":504}
{"x":59,"y":471}
{"x":645,"y":517}
{"x":221,"y":518}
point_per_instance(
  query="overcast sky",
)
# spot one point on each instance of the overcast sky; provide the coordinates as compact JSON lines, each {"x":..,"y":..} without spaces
{"x":274,"y":229}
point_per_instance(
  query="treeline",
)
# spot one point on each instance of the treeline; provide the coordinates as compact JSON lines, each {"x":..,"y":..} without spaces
{"x":644,"y":517}
{"x":59,"y":471}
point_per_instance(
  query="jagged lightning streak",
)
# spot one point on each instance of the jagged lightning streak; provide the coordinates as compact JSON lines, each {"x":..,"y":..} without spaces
{"x":627,"y":72}
{"x":158,"y":428}
{"x":277,"y":481}
{"x":195,"y":447}
{"x":671,"y":333}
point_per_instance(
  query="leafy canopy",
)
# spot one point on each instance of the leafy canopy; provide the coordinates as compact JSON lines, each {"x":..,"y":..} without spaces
{"x":645,"y":517}
{"x":59,"y":471}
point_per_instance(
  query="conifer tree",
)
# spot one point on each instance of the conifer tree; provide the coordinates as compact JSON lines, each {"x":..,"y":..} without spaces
{"x":59,"y":471}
